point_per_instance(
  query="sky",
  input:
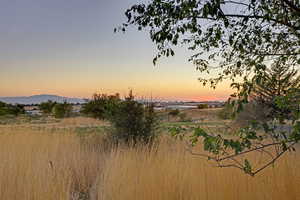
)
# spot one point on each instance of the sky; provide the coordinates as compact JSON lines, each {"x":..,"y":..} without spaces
{"x":68,"y":48}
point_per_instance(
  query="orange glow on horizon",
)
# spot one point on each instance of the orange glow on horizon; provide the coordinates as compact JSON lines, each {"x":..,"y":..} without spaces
{"x":163,"y":93}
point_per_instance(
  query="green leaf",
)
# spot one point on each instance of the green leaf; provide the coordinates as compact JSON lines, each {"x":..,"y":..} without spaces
{"x":247,"y":167}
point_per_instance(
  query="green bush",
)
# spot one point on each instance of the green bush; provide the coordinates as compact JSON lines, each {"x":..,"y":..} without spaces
{"x":133,"y":122}
{"x":183,"y":117}
{"x":202,"y":106}
{"x":8,"y":109}
{"x":252,"y":111}
{"x":174,"y":113}
{"x":278,"y":90}
{"x":227,"y":111}
{"x":102,"y":106}
{"x":47,"y":107}
{"x":61,"y":110}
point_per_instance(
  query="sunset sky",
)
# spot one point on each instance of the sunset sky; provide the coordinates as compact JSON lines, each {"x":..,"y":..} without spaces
{"x":68,"y":48}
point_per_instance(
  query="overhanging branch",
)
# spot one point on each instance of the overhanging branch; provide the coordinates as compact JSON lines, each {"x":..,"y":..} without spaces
{"x":292,"y":5}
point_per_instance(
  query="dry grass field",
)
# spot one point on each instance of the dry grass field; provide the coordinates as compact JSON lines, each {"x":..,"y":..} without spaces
{"x":58,"y":164}
{"x":172,"y":173}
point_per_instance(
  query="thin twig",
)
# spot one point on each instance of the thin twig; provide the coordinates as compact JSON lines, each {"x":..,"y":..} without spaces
{"x":250,"y":150}
{"x":273,"y":161}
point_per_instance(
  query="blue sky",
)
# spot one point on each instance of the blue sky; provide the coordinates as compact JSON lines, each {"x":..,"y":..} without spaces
{"x":67,"y":47}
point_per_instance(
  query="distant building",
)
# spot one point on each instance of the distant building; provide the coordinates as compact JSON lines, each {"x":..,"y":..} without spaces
{"x":77,"y":108}
{"x":32,"y":110}
{"x":186,"y":105}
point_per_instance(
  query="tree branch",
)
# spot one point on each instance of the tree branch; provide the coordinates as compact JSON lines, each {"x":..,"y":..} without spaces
{"x":273,"y":161}
{"x":277,"y":54}
{"x":248,"y":151}
{"x":292,"y":6}
{"x":237,"y":3}
{"x":262,"y":17}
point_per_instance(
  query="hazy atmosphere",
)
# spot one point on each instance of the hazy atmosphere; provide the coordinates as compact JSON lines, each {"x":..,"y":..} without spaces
{"x":68,"y":48}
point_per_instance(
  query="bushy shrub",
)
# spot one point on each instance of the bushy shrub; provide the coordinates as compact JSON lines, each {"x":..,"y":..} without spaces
{"x":253,"y":111}
{"x":61,"y":110}
{"x":101,"y":106}
{"x":277,"y":89}
{"x":227,"y":112}
{"x":8,"y":109}
{"x":47,"y":107}
{"x":202,"y":106}
{"x":133,"y":122}
{"x":174,"y":112}
{"x":183,"y":117}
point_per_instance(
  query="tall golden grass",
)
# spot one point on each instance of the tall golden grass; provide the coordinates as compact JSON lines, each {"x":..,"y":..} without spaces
{"x":42,"y":165}
{"x":172,"y":173}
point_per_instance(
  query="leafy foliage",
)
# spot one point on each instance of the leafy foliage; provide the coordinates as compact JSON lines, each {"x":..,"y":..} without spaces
{"x":8,"y":109}
{"x":274,"y":86}
{"x":61,"y":110}
{"x":47,"y":107}
{"x":228,"y":152}
{"x":239,"y":41}
{"x":184,"y":118}
{"x":134,"y":122}
{"x":227,"y":111}
{"x":252,"y":111}
{"x":202,"y":106}
{"x":102,"y":106}
{"x":273,"y":122}
{"x":271,"y":94}
{"x":174,"y":112}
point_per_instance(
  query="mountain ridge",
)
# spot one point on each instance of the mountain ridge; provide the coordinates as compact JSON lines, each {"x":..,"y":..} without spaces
{"x":37,"y":99}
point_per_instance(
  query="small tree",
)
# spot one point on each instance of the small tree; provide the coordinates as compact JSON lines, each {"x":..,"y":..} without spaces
{"x":47,"y":107}
{"x":134,"y":122}
{"x":61,"y":110}
{"x":240,"y":42}
{"x":8,"y":109}
{"x":227,"y":111}
{"x":174,"y":113}
{"x":16,"y":109}
{"x":184,"y":118}
{"x":102,"y":106}
{"x":202,"y":106}
{"x":237,"y":41}
{"x":252,"y":111}
{"x":277,"y":82}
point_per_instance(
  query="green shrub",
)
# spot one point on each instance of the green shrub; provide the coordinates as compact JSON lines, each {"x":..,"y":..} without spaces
{"x":227,"y":111}
{"x":47,"y":107}
{"x":252,"y":111}
{"x":174,"y":113}
{"x":102,"y":106}
{"x":202,"y":106}
{"x":183,"y":117}
{"x":61,"y":110}
{"x":278,"y":90}
{"x":133,"y":122}
{"x":8,"y":109}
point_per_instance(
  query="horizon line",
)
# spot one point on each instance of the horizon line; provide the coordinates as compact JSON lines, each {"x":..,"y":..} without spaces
{"x":195,"y":99}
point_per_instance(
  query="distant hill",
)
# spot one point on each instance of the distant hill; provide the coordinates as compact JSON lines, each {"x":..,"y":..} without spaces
{"x":37,"y":99}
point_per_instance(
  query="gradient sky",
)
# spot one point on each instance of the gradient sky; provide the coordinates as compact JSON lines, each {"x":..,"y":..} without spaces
{"x":68,"y":48}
